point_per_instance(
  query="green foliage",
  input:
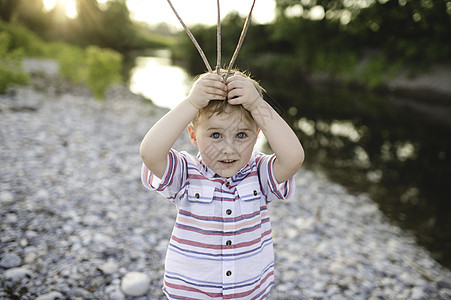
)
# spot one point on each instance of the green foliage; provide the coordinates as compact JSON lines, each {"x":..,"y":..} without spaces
{"x":71,"y":61}
{"x":103,"y":67}
{"x":376,"y":71}
{"x":10,"y":65}
{"x":22,"y":38}
{"x":97,"y":68}
{"x":7,"y":8}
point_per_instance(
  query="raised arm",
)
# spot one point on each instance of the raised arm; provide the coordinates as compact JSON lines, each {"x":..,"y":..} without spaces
{"x":162,"y":136}
{"x":284,"y":142}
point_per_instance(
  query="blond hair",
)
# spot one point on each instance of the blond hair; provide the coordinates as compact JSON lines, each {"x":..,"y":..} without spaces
{"x":223,"y":106}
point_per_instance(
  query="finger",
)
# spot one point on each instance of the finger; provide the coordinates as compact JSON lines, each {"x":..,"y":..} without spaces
{"x":235,"y":84}
{"x":237,"y":92}
{"x":212,"y":76}
{"x":216,"y":84}
{"x":236,"y":78}
{"x":212,"y":91}
{"x":235,"y":101}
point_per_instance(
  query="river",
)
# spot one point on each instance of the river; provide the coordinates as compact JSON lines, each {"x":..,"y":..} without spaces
{"x":380,"y":145}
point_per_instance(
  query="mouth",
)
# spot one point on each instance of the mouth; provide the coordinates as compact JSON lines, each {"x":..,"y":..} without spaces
{"x":227,"y":162}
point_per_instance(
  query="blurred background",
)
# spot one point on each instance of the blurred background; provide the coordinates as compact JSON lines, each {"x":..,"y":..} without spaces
{"x":364,"y":83}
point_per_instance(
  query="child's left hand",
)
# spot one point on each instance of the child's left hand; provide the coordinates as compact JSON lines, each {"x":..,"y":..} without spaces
{"x":242,"y":91}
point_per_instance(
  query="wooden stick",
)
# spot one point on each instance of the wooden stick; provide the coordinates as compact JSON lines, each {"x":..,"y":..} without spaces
{"x":218,"y":37}
{"x":240,"y":42}
{"x":201,"y":52}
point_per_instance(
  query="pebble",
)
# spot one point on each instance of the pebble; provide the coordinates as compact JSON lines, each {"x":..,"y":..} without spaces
{"x":10,"y":260}
{"x":51,"y":296}
{"x":78,"y":224}
{"x":135,"y":284}
{"x":16,"y":274}
{"x":109,"y":268}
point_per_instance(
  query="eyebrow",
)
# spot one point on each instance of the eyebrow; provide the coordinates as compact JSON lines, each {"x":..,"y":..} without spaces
{"x":238,"y":129}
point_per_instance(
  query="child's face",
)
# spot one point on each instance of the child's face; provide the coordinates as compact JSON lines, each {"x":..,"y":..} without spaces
{"x":225,"y":142}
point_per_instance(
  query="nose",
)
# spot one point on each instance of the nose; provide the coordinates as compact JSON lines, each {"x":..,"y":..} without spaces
{"x":228,"y":147}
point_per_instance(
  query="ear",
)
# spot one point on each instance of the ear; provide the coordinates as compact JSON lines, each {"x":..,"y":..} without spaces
{"x":192,"y":135}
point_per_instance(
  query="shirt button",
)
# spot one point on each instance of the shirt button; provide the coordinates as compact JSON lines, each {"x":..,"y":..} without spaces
{"x":229,"y":211}
{"x":228,"y":273}
{"x":229,"y":242}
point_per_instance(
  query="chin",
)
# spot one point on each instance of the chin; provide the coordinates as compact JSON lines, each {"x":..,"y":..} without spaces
{"x":226,"y":173}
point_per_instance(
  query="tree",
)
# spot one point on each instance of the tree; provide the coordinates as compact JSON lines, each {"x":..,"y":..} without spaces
{"x":7,"y":9}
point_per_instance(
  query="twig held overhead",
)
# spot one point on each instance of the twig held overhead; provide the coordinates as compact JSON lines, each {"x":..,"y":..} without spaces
{"x":218,"y":37}
{"x":240,"y":42}
{"x":201,"y":52}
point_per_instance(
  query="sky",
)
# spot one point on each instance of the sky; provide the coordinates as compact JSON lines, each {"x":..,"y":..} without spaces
{"x":191,"y":11}
{"x":198,"y":11}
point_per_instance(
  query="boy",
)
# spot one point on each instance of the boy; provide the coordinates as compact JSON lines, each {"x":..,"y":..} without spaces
{"x":221,"y":245}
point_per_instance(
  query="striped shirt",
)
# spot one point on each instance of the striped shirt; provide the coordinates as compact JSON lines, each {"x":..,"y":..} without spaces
{"x":221,"y":245}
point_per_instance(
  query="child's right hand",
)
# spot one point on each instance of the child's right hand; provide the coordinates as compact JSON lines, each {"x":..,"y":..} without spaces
{"x":208,"y":87}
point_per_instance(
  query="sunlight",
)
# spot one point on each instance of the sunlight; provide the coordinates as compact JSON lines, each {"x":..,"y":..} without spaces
{"x":198,"y":11}
{"x":68,"y":6}
{"x":317,"y":13}
{"x":345,"y":129}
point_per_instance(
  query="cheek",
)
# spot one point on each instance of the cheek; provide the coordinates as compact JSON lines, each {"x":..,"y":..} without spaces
{"x":209,"y":151}
{"x":247,"y":147}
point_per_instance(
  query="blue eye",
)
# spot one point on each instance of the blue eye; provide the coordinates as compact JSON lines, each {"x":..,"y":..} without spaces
{"x":241,"y":135}
{"x":216,"y":135}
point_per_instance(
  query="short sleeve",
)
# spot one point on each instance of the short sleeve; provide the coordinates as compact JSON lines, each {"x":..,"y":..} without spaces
{"x":173,"y":178}
{"x":270,"y":187}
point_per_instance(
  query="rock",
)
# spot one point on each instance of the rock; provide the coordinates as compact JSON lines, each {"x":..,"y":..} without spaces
{"x":417,"y":294}
{"x":445,"y":294}
{"x":16,"y":274}
{"x":114,"y":292}
{"x":10,"y":260}
{"x":42,"y":195}
{"x":108,"y":268}
{"x":444,"y":284}
{"x":135,"y":284}
{"x":81,"y":293}
{"x":51,"y":296}
{"x":6,"y":197}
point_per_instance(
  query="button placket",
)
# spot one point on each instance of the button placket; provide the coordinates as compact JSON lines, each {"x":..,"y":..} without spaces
{"x":228,"y":266}
{"x":228,"y":272}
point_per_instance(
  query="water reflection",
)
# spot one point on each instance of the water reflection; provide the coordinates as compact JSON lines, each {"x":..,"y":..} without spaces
{"x":155,"y":78}
{"x":378,"y":145}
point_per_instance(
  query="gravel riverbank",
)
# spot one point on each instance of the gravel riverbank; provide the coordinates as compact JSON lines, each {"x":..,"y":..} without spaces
{"x":76,"y":223}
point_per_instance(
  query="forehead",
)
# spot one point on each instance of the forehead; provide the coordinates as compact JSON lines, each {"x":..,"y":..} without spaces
{"x":227,"y":121}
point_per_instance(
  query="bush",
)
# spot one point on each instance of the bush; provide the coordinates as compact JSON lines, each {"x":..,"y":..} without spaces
{"x":70,"y":60}
{"x":21,"y":37}
{"x":11,"y":72}
{"x":97,"y":68}
{"x":103,"y":68}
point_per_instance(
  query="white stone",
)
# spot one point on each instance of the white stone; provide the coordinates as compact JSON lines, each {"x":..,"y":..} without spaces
{"x":135,"y":284}
{"x":6,"y":197}
{"x":17,"y":273}
{"x":108,"y":268}
{"x":10,"y":260}
{"x":51,"y":296}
